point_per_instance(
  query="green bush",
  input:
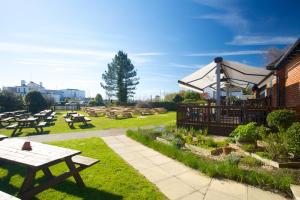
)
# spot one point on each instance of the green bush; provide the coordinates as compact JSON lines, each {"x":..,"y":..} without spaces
{"x":170,"y":106}
{"x":245,"y":133}
{"x":293,"y":139}
{"x":281,"y":119}
{"x":35,"y":101}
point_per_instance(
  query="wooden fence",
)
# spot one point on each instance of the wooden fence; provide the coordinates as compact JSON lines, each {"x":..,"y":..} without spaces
{"x":219,"y":120}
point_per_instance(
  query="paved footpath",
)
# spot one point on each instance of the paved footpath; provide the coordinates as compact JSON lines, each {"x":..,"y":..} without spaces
{"x":174,"y":179}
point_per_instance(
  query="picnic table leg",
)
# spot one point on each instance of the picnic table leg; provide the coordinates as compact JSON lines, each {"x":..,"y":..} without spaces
{"x":28,"y":182}
{"x":47,"y":172}
{"x":36,"y":129}
{"x":76,"y":175}
{"x":14,"y":132}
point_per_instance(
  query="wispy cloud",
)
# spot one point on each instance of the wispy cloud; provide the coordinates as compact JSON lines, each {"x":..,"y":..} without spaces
{"x":150,"y":54}
{"x":228,"y":53}
{"x":231,"y":14}
{"x":185,"y":66}
{"x":138,"y":58}
{"x":261,"y":40}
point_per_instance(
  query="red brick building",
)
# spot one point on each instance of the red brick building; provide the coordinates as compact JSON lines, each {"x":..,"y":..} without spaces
{"x":284,"y":84}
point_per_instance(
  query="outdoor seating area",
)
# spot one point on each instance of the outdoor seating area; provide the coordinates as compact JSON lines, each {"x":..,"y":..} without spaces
{"x":19,"y":120}
{"x":74,"y":117}
{"x":40,"y":157}
{"x":122,"y":112}
{"x":7,"y":118}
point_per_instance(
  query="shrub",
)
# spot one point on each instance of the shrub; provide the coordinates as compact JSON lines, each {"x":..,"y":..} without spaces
{"x":211,"y":143}
{"x":245,"y":133}
{"x":233,"y":159}
{"x":293,"y":139}
{"x":250,"y":161}
{"x":281,"y":119}
{"x":178,"y":98}
{"x":277,"y":146}
{"x":178,"y":141}
{"x":151,"y":133}
{"x":170,"y":106}
{"x":249,"y":147}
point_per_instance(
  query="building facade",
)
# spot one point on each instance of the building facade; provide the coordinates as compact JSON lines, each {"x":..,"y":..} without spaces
{"x":284,"y":86}
{"x":57,"y":95}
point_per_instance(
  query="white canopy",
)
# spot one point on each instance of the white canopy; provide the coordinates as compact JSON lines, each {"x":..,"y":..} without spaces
{"x":234,"y":75}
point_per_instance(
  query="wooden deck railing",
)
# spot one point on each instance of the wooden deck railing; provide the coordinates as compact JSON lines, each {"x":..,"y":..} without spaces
{"x":219,"y":120}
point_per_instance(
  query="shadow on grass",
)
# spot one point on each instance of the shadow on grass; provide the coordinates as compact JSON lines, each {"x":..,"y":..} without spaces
{"x":32,"y":133}
{"x":66,"y":186}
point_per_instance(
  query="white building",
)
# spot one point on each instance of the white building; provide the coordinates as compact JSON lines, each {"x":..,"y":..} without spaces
{"x":73,"y":93}
{"x":58,"y":95}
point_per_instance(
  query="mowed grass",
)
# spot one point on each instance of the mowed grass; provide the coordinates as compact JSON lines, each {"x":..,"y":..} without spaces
{"x":100,"y":123}
{"x":111,"y":178}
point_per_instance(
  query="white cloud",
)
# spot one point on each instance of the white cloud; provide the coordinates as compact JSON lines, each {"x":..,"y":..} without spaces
{"x":228,"y":53}
{"x":231,"y":15}
{"x":262,"y":40}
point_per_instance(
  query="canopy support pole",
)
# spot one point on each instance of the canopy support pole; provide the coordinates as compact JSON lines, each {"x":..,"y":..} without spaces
{"x":218,"y":61}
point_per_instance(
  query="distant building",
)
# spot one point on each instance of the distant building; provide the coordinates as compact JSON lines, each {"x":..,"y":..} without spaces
{"x":58,"y":95}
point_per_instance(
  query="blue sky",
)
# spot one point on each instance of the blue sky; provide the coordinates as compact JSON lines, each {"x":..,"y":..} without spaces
{"x":68,"y":43}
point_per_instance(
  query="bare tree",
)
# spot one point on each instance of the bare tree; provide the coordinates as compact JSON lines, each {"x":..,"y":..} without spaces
{"x":272,"y":54}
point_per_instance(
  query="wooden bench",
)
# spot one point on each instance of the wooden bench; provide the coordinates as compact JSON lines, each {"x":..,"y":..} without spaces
{"x":69,"y":121}
{"x":87,"y":119}
{"x":7,"y":121}
{"x":5,"y":196}
{"x":2,"y":137}
{"x":84,"y":161}
{"x":13,"y":126}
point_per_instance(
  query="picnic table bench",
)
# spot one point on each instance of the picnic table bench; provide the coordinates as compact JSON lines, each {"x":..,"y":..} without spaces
{"x":27,"y":123}
{"x":77,"y":118}
{"x":40,"y":158}
{"x":7,"y":121}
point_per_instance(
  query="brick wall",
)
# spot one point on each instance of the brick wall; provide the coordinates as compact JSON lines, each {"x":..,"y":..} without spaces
{"x":292,"y":82}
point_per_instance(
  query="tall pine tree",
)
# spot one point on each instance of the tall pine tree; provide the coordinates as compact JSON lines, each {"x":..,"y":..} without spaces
{"x":120,"y":79}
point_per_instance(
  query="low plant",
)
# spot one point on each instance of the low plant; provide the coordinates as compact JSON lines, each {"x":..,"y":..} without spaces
{"x":293,"y":139}
{"x":281,"y":119}
{"x":250,"y":161}
{"x":245,"y":133}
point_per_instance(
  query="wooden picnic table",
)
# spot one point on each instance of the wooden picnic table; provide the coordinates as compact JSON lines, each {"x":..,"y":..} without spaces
{"x":30,"y":122}
{"x":41,"y":157}
{"x":77,"y":118}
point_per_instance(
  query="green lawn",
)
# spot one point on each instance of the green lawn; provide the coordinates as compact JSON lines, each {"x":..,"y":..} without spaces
{"x":111,"y":178}
{"x":100,"y":123}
